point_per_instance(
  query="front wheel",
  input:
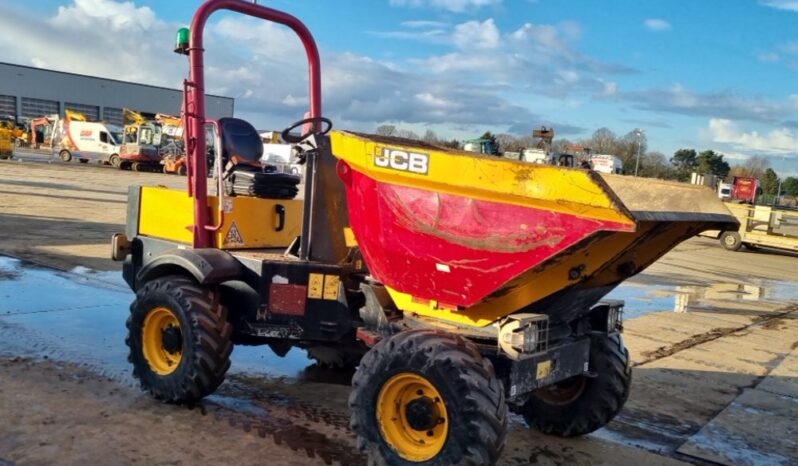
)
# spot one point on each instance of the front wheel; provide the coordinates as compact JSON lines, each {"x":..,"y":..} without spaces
{"x":428,"y":397}
{"x":179,"y":339}
{"x":65,"y":155}
{"x":731,"y":240}
{"x":582,"y":404}
{"x":115,"y":161}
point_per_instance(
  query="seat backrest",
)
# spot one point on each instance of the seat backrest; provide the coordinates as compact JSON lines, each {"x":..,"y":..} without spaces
{"x":241,"y":139}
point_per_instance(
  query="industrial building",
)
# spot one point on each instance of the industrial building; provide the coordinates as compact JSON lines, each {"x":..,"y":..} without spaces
{"x":27,"y":92}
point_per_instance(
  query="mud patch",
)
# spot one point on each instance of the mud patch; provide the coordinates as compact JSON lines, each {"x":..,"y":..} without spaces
{"x":652,"y":431}
{"x":315,"y":430}
{"x":666,"y":351}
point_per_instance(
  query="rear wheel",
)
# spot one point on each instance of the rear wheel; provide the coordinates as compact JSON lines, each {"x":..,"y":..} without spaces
{"x":731,"y":240}
{"x":179,"y":339}
{"x":65,"y":155}
{"x":115,"y":161}
{"x":428,"y":397}
{"x":135,"y":166}
{"x":181,"y":170}
{"x":582,"y":404}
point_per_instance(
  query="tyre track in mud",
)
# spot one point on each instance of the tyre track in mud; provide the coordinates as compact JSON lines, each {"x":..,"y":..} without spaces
{"x":317,"y":431}
{"x":711,"y":335}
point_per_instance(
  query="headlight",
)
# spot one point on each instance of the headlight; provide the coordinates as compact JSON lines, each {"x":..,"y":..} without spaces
{"x":524,"y":333}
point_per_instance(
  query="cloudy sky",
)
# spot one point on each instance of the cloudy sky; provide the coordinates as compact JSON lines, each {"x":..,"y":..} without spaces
{"x":709,"y":74}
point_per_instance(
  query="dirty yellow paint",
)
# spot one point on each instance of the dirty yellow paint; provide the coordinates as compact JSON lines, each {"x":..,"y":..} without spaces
{"x":543,"y":369}
{"x":349,"y":238}
{"x":570,"y":191}
{"x":169,"y":214}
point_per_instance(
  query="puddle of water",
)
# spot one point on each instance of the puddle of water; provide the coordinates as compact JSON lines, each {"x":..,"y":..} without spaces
{"x":645,"y":298}
{"x":80,"y":317}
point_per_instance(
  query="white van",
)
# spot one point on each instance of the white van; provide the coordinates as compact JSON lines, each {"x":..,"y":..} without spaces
{"x":535,"y":156}
{"x":86,"y":141}
{"x":606,"y":163}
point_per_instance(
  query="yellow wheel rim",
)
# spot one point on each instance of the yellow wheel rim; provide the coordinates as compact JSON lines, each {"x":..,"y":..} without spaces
{"x":162,"y":341}
{"x":412,"y":417}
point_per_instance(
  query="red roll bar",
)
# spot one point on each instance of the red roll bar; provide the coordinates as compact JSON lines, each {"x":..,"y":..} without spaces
{"x":194,"y":112}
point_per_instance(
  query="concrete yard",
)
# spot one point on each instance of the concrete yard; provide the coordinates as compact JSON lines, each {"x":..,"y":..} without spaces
{"x":713,"y":335}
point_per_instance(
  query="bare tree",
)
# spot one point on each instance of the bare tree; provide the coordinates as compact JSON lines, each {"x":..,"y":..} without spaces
{"x":509,"y":142}
{"x":407,"y":134}
{"x":603,"y":141}
{"x":756,"y":166}
{"x":385,"y":130}
{"x":430,"y":137}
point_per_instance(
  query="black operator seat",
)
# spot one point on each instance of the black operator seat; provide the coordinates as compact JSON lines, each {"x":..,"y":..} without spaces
{"x":242,"y":149}
{"x":241,"y":143}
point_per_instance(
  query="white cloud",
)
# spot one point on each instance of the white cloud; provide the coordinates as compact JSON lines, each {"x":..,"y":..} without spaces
{"x":115,"y":16}
{"x":475,"y":35}
{"x":533,"y":59}
{"x":718,"y":104}
{"x":777,"y":141}
{"x":421,"y":23}
{"x":769,"y":57}
{"x":789,"y":5}
{"x":263,"y":66}
{"x":657,"y":24}
{"x":610,"y":89}
{"x":456,"y":6}
{"x":95,"y":37}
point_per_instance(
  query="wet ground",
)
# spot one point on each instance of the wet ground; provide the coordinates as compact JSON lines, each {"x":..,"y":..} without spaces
{"x":643,"y":298}
{"x":713,"y":336}
{"x":77,"y":318}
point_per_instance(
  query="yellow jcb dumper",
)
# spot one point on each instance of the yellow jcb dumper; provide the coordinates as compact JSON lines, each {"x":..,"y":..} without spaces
{"x":460,"y":285}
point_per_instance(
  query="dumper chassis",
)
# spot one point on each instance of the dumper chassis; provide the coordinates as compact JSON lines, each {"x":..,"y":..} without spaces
{"x":399,"y":262}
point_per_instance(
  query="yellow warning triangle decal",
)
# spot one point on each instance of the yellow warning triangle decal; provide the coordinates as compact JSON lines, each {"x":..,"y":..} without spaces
{"x":233,"y":236}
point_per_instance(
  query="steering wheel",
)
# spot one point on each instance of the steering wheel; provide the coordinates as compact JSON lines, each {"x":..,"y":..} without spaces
{"x":288,"y":137}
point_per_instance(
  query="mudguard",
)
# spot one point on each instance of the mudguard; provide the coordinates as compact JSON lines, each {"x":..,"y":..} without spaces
{"x":207,"y":266}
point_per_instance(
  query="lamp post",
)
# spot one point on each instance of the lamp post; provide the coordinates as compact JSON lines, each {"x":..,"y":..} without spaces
{"x":639,"y":133}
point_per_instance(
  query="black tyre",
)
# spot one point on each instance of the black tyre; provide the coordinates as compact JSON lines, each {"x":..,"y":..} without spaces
{"x":5,"y":156}
{"x":179,"y":339}
{"x":84,"y":160}
{"x":181,"y":170}
{"x":428,"y":397}
{"x":135,"y":166}
{"x":731,"y":240}
{"x":65,"y":155}
{"x":581,"y":404}
{"x":115,"y":161}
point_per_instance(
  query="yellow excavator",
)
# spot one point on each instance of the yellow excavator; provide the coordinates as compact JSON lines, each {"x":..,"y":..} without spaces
{"x":7,"y":136}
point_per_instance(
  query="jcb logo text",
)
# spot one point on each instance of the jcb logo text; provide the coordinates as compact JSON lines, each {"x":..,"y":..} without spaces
{"x":414,"y":162}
